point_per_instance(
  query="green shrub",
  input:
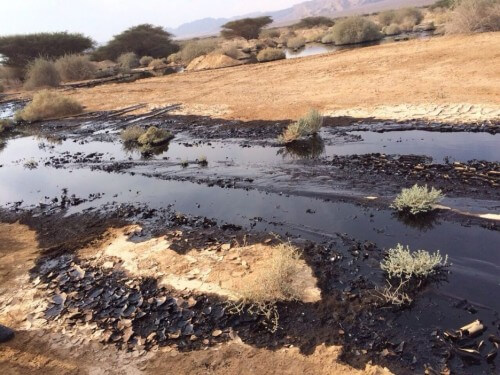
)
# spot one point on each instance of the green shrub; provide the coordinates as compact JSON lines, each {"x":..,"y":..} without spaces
{"x":145,"y":60}
{"x":417,"y":199}
{"x":474,"y":16}
{"x":154,"y":137}
{"x":270,"y":54}
{"x":308,"y":125}
{"x":143,"y":40}
{"x":128,"y":61}
{"x":132,"y":133}
{"x":248,"y":28}
{"x":46,"y":105}
{"x":20,"y":50}
{"x":197,"y":48}
{"x":296,"y":42}
{"x":41,"y":73}
{"x":75,"y":68}
{"x":402,"y":264}
{"x":392,"y":29}
{"x":355,"y":30}
{"x":310,"y":22}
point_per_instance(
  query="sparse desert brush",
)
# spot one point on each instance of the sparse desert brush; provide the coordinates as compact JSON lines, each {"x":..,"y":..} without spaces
{"x":174,"y":58}
{"x":273,"y":283}
{"x":75,"y":67}
{"x":132,"y":133}
{"x":406,"y":16}
{"x":158,"y":63}
{"x":269,"y":33}
{"x":6,"y":125}
{"x":145,"y":60}
{"x":401,"y":263}
{"x":41,"y":73}
{"x":231,"y":50}
{"x":306,"y":126}
{"x":328,"y":38}
{"x":154,"y":136}
{"x":197,"y":48}
{"x":128,"y":61}
{"x":417,"y":199}
{"x":355,"y":30}
{"x":315,"y":36}
{"x":48,"y":104}
{"x":474,"y":16}
{"x":296,"y":42}
{"x":270,"y":54}
{"x":392,"y":29}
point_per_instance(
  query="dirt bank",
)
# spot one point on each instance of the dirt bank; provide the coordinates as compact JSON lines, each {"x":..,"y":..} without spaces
{"x":445,"y":78}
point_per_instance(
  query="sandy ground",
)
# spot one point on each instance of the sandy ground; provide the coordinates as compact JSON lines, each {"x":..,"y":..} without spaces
{"x":445,"y":78}
{"x":41,"y":347}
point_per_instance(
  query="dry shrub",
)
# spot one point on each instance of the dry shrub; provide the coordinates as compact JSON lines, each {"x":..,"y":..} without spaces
{"x":41,"y":73}
{"x":158,"y":63}
{"x":296,"y":42}
{"x":474,"y":16}
{"x":128,"y":61}
{"x":231,"y":50}
{"x":273,"y":283}
{"x":145,"y":60}
{"x":308,"y":125}
{"x":75,"y":68}
{"x":174,"y":58}
{"x":10,"y":75}
{"x":355,"y":30}
{"x":6,"y":125}
{"x":408,"y":17}
{"x":417,"y":199}
{"x":269,"y":33}
{"x":154,"y":137}
{"x":132,"y":133}
{"x":392,"y":29}
{"x":328,"y":38}
{"x":270,"y":54}
{"x":314,"y":36}
{"x":48,"y":104}
{"x":197,"y":48}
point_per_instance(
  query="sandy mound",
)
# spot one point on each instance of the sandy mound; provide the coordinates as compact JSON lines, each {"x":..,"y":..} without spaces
{"x":212,"y":61}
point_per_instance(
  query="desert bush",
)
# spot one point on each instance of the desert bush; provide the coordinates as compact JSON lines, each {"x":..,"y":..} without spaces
{"x":48,"y":104}
{"x":146,"y":60}
{"x":269,"y":33}
{"x":132,"y":133}
{"x":315,"y":36}
{"x":128,"y":61}
{"x":355,"y":30}
{"x":154,"y":137}
{"x":474,"y":16}
{"x":41,"y":73}
{"x":308,"y":125}
{"x":296,"y":42}
{"x":310,"y":22}
{"x":401,"y":263}
{"x":174,"y":58}
{"x":10,"y":75}
{"x":143,"y":40}
{"x":408,"y":17}
{"x":75,"y":67}
{"x":272,"y":284}
{"x":328,"y":38}
{"x":6,"y":125}
{"x":387,"y":17}
{"x":417,"y":199}
{"x":392,"y":29}
{"x":197,"y":48}
{"x":231,"y":50}
{"x":20,"y":50}
{"x":443,"y":4}
{"x":270,"y":54}
{"x":158,"y":63}
{"x":248,"y":28}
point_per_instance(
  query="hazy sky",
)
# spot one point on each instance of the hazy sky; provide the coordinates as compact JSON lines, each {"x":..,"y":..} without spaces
{"x":101,"y":19}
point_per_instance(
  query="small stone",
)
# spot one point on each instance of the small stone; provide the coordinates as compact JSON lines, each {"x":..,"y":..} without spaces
{"x":108,"y":265}
{"x":217,"y":333}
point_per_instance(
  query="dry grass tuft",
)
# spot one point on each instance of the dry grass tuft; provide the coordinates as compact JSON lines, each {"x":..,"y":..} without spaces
{"x":296,"y":42}
{"x":132,"y":133}
{"x":48,"y":104}
{"x":197,"y":48}
{"x":145,"y":60}
{"x":75,"y":68}
{"x":270,"y":54}
{"x":128,"y":61}
{"x":41,"y":73}
{"x":154,"y":137}
{"x":474,"y":16}
{"x":6,"y":125}
{"x":417,"y":199}
{"x":306,"y":126}
{"x":392,"y":29}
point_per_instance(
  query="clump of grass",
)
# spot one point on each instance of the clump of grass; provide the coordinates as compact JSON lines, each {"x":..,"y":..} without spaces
{"x":145,"y":60}
{"x":270,"y":54}
{"x":158,"y":63}
{"x":308,"y":125}
{"x":128,"y":61}
{"x":202,"y":160}
{"x":197,"y":48}
{"x":48,"y":104}
{"x":231,"y":50}
{"x":41,"y":73}
{"x":273,"y":284}
{"x":6,"y":125}
{"x":354,"y":30}
{"x":184,"y":163}
{"x":296,"y":42}
{"x":417,"y":199}
{"x":132,"y":133}
{"x":474,"y":16}
{"x":174,"y":58}
{"x":392,"y":29}
{"x":401,"y":263}
{"x":154,"y":137}
{"x":75,"y":67}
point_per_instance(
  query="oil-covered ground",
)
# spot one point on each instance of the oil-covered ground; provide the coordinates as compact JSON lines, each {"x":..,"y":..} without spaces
{"x":72,"y":180}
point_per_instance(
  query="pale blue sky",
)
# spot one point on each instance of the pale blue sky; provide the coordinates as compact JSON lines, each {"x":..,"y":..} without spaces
{"x":101,"y":19}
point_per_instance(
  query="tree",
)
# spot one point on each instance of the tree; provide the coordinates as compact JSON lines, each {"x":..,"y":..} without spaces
{"x":248,"y":28}
{"x":310,"y":22}
{"x":143,"y":40}
{"x":20,"y":50}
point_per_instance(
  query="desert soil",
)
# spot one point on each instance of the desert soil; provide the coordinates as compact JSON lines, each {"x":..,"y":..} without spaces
{"x":448,"y":79}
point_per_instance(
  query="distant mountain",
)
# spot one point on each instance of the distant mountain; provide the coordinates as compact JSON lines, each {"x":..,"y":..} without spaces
{"x":329,"y":8}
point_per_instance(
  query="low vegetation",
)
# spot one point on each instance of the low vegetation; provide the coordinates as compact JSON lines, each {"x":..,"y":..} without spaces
{"x":128,"y":61}
{"x":6,"y":125}
{"x":153,"y":136}
{"x":474,"y":16}
{"x":269,"y":33}
{"x":158,"y":63}
{"x":270,"y":54}
{"x":308,"y":125}
{"x":231,"y":50}
{"x":248,"y":28}
{"x":47,"y":105}
{"x":401,"y":263}
{"x":146,"y":60}
{"x":197,"y":48}
{"x":392,"y":29}
{"x":75,"y":68}
{"x":417,"y":199}
{"x":405,"y":18}
{"x":310,"y":22}
{"x":353,"y":30}
{"x":41,"y":73}
{"x":272,"y":284}
{"x":296,"y":42}
{"x":132,"y":133}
